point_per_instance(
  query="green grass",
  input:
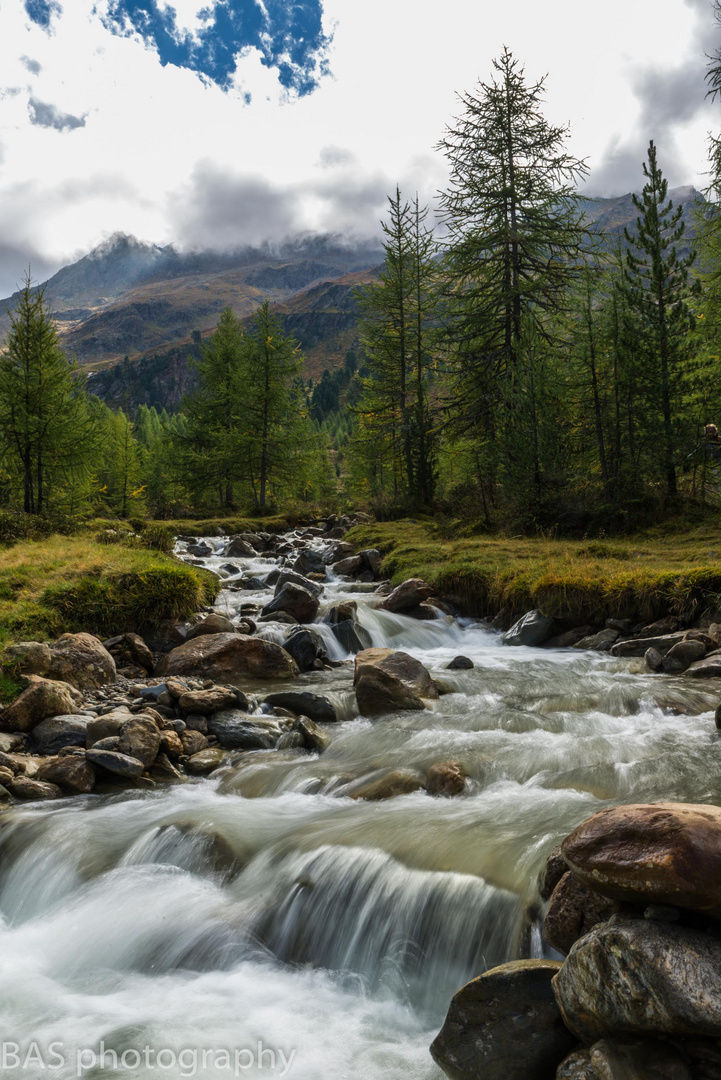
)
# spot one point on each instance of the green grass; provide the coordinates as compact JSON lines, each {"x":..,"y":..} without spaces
{"x":644,"y":577}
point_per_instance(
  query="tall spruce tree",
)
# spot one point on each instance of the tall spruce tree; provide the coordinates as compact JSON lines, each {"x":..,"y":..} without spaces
{"x":658,"y":288}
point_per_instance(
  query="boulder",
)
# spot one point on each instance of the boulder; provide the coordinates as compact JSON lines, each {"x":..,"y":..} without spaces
{"x":171,"y":745}
{"x":371,"y":560}
{"x":573,"y":911}
{"x":235,"y":730}
{"x":389,"y":786}
{"x":205,"y":761}
{"x":213,"y":624}
{"x":577,"y":1066}
{"x":295,"y":601}
{"x":41,"y":699}
{"x":303,"y":703}
{"x":407,"y":596}
{"x":637,"y":1059}
{"x":600,"y":642}
{"x":210,"y":701}
{"x":72,"y":773}
{"x":314,"y":737}
{"x":313,"y":587}
{"x":638,"y":646}
{"x":386,"y":681}
{"x":653,"y":659}
{"x":568,"y":638}
{"x":304,"y":645}
{"x":105,"y":727}
{"x":659,"y":853}
{"x":641,"y":977}
{"x":29,"y":657}
{"x":227,"y":657}
{"x":23,"y":787}
{"x":343,"y":619}
{"x":193,"y":742}
{"x":460,"y":663}
{"x":708,"y":668}
{"x":556,"y":866}
{"x":681,"y":655}
{"x":238,"y":548}
{"x":446,"y":778}
{"x":81,"y":660}
{"x":532,"y":629}
{"x":309,"y":562}
{"x":505,"y":1025}
{"x":114,"y":762}
{"x":336,"y":552}
{"x":57,"y":732}
{"x":139,"y":738}
{"x":348,"y":567}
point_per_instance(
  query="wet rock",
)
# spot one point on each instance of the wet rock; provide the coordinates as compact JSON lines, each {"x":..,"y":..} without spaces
{"x":59,"y":731}
{"x":304,"y":645}
{"x":23,"y":787}
{"x":504,"y":1025}
{"x":238,"y":548}
{"x":555,"y":868}
{"x":227,"y":657}
{"x":235,"y":730}
{"x":6,"y":775}
{"x":407,"y":596}
{"x":660,"y":853}
{"x":653,"y":659}
{"x":294,"y":600}
{"x":446,"y":778}
{"x":164,"y":771}
{"x":577,"y":1066}
{"x":41,"y":699}
{"x":637,"y":1059}
{"x":349,"y":566}
{"x":573,"y":911}
{"x":81,"y":660}
{"x":196,"y":722}
{"x":206,"y":761}
{"x":532,"y":629}
{"x":171,"y":745}
{"x":139,"y":738}
{"x":72,"y":773}
{"x":314,"y":738}
{"x":681,"y":655}
{"x":600,"y":642}
{"x":201,"y":550}
{"x":114,"y":762}
{"x":371,"y":561}
{"x":634,"y":976}
{"x":386,"y":681}
{"x":309,"y":562}
{"x":708,"y":668}
{"x":638,"y":646}
{"x":389,"y":786}
{"x":568,"y":638}
{"x":213,"y":624}
{"x":193,"y":742}
{"x":460,"y":663}
{"x":343,"y":618}
{"x":303,"y":703}
{"x":210,"y":701}
{"x":313,"y":587}
{"x":337,"y":552}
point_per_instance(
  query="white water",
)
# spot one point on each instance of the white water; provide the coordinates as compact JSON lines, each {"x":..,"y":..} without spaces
{"x":266,"y":905}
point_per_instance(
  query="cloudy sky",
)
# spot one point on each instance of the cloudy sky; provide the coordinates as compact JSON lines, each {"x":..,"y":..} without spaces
{"x":214,"y":123}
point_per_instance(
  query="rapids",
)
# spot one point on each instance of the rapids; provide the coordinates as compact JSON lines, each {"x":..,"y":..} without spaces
{"x":264,"y":906}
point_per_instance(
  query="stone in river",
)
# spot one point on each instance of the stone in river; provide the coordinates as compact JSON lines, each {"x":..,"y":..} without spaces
{"x":446,"y":778}
{"x":658,"y":853}
{"x":641,"y":977}
{"x":460,"y":663}
{"x":389,"y":786}
{"x":213,"y":624}
{"x":119,"y":764}
{"x":205,"y":761}
{"x":213,"y":700}
{"x":72,"y":773}
{"x":283,"y":576}
{"x":708,"y":668}
{"x":235,"y":730}
{"x":637,"y":1059}
{"x":505,"y":1025}
{"x":305,"y":645}
{"x":680,"y":656}
{"x":303,"y":703}
{"x":294,"y":600}
{"x":407,"y":596}
{"x":532,"y":629}
{"x":387,"y":680}
{"x":23,"y":787}
{"x":139,"y":738}
{"x":573,"y":911}
{"x":309,"y":562}
{"x":226,"y":657}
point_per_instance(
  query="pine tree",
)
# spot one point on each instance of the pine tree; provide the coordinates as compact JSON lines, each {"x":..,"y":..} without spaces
{"x":658,"y":288}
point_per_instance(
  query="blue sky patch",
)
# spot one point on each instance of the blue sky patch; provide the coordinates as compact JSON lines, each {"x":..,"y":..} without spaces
{"x":288,"y":33}
{"x":42,"y":11}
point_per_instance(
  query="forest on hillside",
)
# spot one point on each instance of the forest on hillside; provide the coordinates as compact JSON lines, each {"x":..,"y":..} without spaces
{"x":510,"y":370}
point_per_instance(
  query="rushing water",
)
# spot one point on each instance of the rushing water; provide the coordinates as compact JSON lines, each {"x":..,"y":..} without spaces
{"x":265,"y":906}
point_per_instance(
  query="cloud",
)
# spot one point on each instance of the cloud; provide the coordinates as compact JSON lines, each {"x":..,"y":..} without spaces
{"x":32,"y":65}
{"x":48,"y":116}
{"x":288,"y":34}
{"x":42,"y":12}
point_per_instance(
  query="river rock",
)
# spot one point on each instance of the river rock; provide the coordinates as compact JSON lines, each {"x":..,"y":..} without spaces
{"x":295,"y":601}
{"x":659,"y":853}
{"x":568,"y":638}
{"x":639,"y":977}
{"x":371,"y":561}
{"x":59,"y":731}
{"x":105,"y":727}
{"x":577,"y":1066}
{"x":600,"y":642}
{"x":638,"y":646}
{"x":130,"y":649}
{"x":386,"y":681}
{"x":114,"y":762}
{"x":206,"y":761}
{"x":556,"y":866}
{"x":348,"y":567}
{"x":303,"y":703}
{"x":532,"y":629}
{"x":573,"y":911}
{"x":164,"y":771}
{"x":23,"y":787}
{"x":29,"y":657}
{"x":81,"y":660}
{"x":227,"y":657}
{"x":171,"y":745}
{"x":235,"y":730}
{"x":238,"y":548}
{"x":637,"y":1059}
{"x":343,"y":618}
{"x":446,"y":778}
{"x":460,"y":663}
{"x":407,"y":596}
{"x":504,"y":1025}
{"x":681,"y":655}
{"x":41,"y":698}
{"x":305,"y":645}
{"x":193,"y":742}
{"x":708,"y":668}
{"x":309,"y":562}
{"x":313,"y":587}
{"x":653,"y":659}
{"x":139,"y":738}
{"x":72,"y":773}
{"x":213,"y":624}
{"x":210,"y":701}
{"x":389,"y":786}
{"x":314,"y":737}
{"x":336,"y":552}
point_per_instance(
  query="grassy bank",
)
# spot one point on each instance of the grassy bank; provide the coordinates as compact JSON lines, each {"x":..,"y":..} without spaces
{"x":643,"y":577}
{"x":70,"y":583}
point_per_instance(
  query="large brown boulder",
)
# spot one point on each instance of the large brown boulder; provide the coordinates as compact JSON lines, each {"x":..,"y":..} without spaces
{"x":41,"y":699}
{"x":446,"y":778}
{"x":81,"y":660}
{"x":71,"y":772}
{"x":389,"y":786}
{"x":407,"y":596}
{"x":213,"y":700}
{"x":505,"y":1025}
{"x":660,"y":853}
{"x":638,"y":976}
{"x":227,"y":657}
{"x":573,"y":911}
{"x":386,"y":681}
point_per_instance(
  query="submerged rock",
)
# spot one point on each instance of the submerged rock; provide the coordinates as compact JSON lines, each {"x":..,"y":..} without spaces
{"x":460,"y":663}
{"x":390,"y":786}
{"x":505,"y":1025}
{"x":446,"y":778}
{"x":227,"y":657}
